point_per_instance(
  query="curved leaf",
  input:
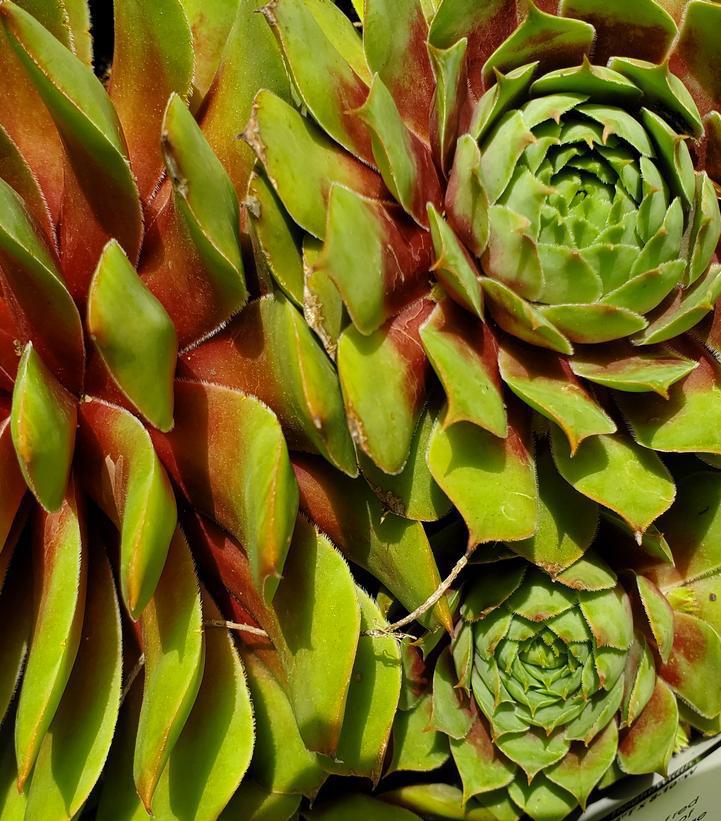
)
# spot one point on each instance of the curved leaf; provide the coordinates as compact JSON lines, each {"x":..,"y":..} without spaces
{"x":281,"y":762}
{"x":270,"y":352}
{"x":491,"y":481}
{"x":228,"y":456}
{"x":214,"y":749}
{"x":619,"y":474}
{"x":60,"y":570}
{"x":372,"y":698}
{"x":396,"y":551}
{"x":74,"y":750}
{"x":42,"y":422}
{"x":383,"y":377}
{"x":33,"y":281}
{"x":152,"y":58}
{"x":174,"y":649}
{"x":319,"y":622}
{"x":242,"y":72}
{"x":192,"y":260}
{"x":96,"y":149}
{"x":134,"y":336}
{"x":125,"y":478}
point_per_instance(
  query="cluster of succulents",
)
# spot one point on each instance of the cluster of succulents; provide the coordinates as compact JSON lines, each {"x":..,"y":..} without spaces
{"x":360,"y":405}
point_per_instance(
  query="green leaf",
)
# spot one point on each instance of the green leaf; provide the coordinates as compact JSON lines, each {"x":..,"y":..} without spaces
{"x":543,"y":37}
{"x":686,"y":421}
{"x":276,"y":237}
{"x":74,"y":750}
{"x":241,"y":73}
{"x":595,"y":81}
{"x":619,"y":474}
{"x":491,"y":481}
{"x":447,"y":802}
{"x":540,"y":598}
{"x":608,"y":614}
{"x":205,"y":198}
{"x":281,"y":763}
{"x":254,"y":803}
{"x":481,"y":766}
{"x":466,"y":201}
{"x":647,"y":745}
{"x":415,"y":747}
{"x":511,"y":257}
{"x":395,"y":550}
{"x":520,"y":318}
{"x":210,"y":23}
{"x":403,"y":159}
{"x":372,"y":698}
{"x":534,"y":751}
{"x":583,"y":767}
{"x":546,"y":383}
{"x":42,"y":423}
{"x":319,"y":623}
{"x":695,"y":654}
{"x":59,"y":571}
{"x":323,"y":307}
{"x":662,"y":89}
{"x":133,"y":335}
{"x":325,"y":81}
{"x":487,"y":592}
{"x":33,"y":282}
{"x":118,"y":798}
{"x":391,"y":272}
{"x":625,"y":369}
{"x":567,"y":521}
{"x":238,"y":472}
{"x":454,"y":268}
{"x":270,"y":352}
{"x":79,"y":22}
{"x":12,"y":801}
{"x":705,"y":230}
{"x":382,"y":420}
{"x":464,"y":356}
{"x":152,"y":59}
{"x":449,"y":67}
{"x":412,"y":493}
{"x":394,"y":41}
{"x":174,"y":652}
{"x":219,"y":733}
{"x":88,"y":124}
{"x":686,"y":309}
{"x":451,"y":713}
{"x":542,"y":798}
{"x":125,"y":478}
{"x":53,"y":16}
{"x":591,"y":324}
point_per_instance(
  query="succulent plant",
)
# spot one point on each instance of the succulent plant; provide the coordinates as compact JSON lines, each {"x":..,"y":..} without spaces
{"x":121,"y":472}
{"x":552,"y":686}
{"x":297,"y":283}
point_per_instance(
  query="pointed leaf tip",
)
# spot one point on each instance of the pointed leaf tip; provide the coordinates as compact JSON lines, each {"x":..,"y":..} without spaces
{"x":134,"y":336}
{"x":42,"y":422}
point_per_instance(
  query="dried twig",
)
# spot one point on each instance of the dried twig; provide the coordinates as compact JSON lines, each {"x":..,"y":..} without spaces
{"x":234,"y":625}
{"x":392,"y":629}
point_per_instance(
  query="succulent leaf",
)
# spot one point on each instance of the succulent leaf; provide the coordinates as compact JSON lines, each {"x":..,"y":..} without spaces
{"x":174,"y":650}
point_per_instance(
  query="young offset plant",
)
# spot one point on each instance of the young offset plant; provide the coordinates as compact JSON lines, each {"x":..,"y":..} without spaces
{"x":412,"y":284}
